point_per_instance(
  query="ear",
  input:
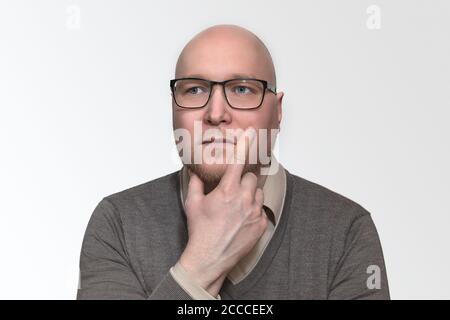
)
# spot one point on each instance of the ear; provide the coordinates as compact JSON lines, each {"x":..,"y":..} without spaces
{"x":280,"y":96}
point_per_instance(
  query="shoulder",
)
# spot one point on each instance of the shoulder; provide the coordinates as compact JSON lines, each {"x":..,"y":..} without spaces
{"x":143,"y":198}
{"x":320,"y":204}
{"x":153,"y":189}
{"x":327,"y":218}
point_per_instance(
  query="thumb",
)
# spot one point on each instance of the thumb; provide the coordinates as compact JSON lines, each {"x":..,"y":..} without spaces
{"x":195,"y":188}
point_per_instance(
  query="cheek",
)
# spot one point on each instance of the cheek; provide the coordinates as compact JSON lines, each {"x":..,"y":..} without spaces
{"x":263,"y":118}
{"x":266,"y":118}
{"x":185,"y":119}
{"x":185,"y":124}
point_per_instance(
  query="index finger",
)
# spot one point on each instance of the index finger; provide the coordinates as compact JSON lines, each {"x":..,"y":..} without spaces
{"x":234,"y":169}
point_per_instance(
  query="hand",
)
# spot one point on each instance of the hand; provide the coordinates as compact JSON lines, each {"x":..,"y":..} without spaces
{"x":224,"y":225}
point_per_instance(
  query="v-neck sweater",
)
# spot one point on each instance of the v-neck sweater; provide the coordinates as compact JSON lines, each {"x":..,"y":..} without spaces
{"x":325,"y":246}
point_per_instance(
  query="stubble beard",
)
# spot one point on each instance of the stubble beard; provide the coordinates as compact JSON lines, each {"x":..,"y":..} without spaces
{"x":211,"y":178}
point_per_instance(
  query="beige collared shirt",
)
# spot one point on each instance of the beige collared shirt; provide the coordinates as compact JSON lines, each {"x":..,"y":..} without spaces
{"x":274,"y":190}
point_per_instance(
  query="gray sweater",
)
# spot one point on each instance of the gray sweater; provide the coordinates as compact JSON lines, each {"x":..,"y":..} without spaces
{"x":325,"y":247}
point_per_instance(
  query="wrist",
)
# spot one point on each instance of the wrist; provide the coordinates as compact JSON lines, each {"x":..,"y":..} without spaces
{"x":205,"y":276}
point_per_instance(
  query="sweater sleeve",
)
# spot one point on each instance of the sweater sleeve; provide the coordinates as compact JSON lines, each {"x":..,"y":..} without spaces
{"x":105,"y":268}
{"x":360,"y":271}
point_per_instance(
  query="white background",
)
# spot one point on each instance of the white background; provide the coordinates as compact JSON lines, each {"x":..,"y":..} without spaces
{"x":85,"y":112}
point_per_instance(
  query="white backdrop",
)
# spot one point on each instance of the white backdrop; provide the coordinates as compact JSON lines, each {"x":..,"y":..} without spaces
{"x":85,"y":112}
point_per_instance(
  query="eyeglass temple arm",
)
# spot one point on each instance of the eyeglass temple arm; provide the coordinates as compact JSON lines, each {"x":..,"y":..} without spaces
{"x":271,"y":88}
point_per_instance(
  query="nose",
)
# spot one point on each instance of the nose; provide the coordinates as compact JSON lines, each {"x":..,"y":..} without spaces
{"x":217,"y":109}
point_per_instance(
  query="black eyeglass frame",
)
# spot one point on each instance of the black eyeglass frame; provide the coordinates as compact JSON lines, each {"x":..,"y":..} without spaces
{"x":266,"y":86}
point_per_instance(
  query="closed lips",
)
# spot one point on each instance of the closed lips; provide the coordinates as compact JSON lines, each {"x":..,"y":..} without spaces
{"x":218,"y":140}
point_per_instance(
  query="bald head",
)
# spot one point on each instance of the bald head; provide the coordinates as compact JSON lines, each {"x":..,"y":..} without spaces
{"x":225,"y":51}
{"x":220,"y":53}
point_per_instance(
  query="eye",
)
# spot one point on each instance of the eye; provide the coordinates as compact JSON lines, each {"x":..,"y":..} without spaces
{"x":195,"y":90}
{"x":241,"y":90}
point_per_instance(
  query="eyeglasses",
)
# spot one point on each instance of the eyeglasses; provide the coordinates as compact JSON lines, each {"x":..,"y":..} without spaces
{"x":242,"y":93}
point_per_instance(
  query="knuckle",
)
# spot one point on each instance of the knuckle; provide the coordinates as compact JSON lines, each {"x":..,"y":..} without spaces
{"x":247,"y":196}
{"x":264,"y":221}
{"x":256,"y":211}
{"x":259,"y":200}
{"x":227,"y":189}
{"x":257,"y":208}
{"x":226,"y":196}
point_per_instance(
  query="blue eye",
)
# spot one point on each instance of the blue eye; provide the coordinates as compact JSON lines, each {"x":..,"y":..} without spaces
{"x":242,"y":90}
{"x":195,"y":90}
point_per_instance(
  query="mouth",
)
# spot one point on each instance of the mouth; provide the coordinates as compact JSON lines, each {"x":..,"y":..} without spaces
{"x":219,"y":140}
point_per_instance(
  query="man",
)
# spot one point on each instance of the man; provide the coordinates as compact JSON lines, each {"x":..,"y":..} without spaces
{"x":226,"y":227}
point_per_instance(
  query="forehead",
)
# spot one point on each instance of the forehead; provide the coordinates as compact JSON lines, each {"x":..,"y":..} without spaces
{"x":221,"y":59}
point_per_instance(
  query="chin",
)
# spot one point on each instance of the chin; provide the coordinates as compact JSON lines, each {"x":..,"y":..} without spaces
{"x":208,"y":173}
{"x":212,"y":173}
